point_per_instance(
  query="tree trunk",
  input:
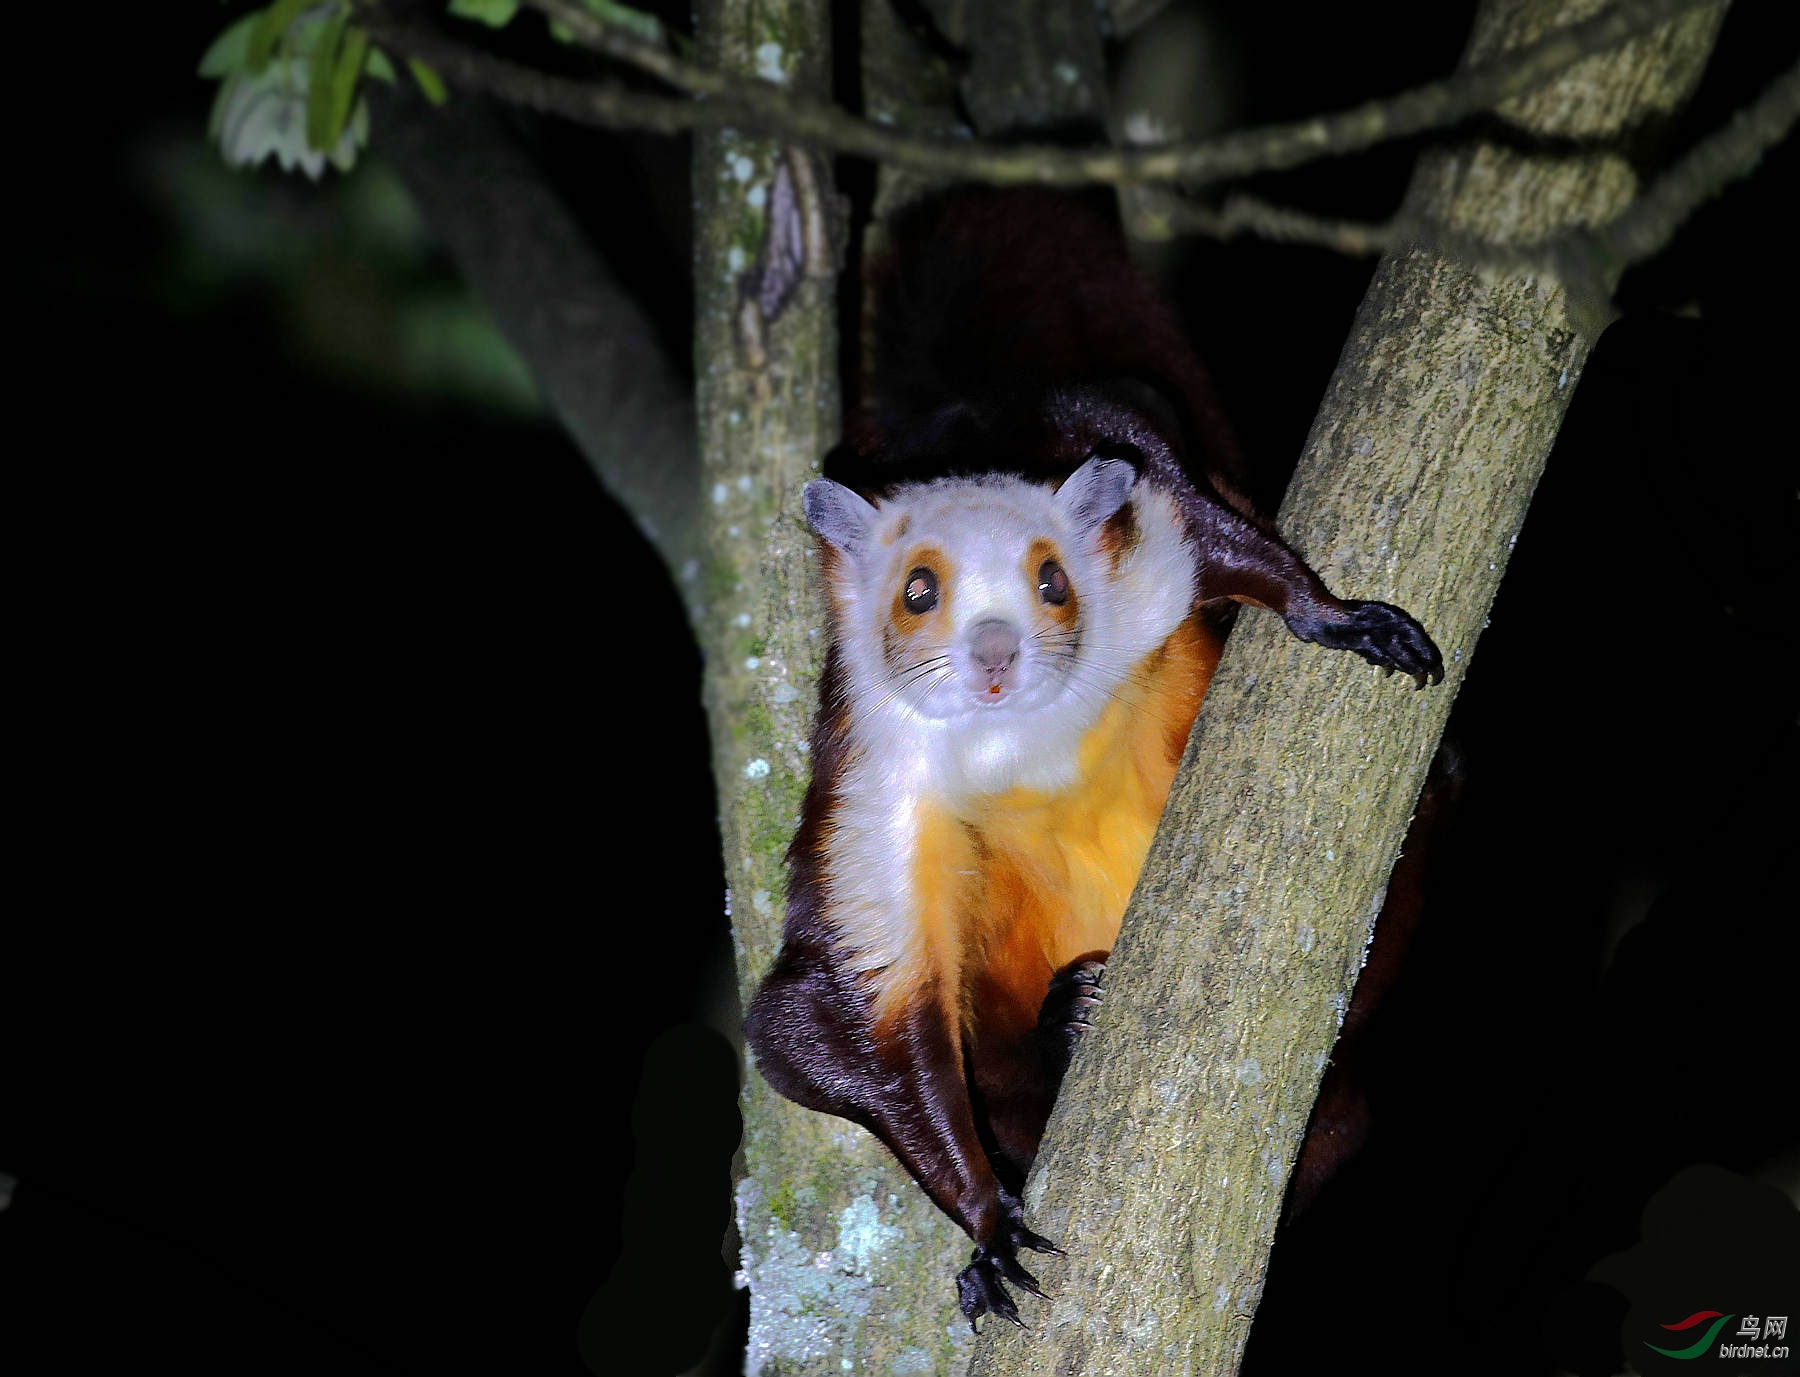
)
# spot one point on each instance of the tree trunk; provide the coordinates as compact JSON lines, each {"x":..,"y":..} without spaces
{"x":1169,"y":1152}
{"x":843,"y":1254}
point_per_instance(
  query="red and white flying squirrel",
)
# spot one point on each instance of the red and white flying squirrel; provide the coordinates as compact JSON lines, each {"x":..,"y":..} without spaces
{"x":1023,"y":619}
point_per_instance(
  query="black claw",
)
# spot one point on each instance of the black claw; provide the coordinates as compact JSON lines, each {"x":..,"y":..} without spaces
{"x":979,"y":1286}
{"x":1024,"y":1238}
{"x":1380,"y":633}
{"x":979,"y":1292}
{"x":1013,"y":1271}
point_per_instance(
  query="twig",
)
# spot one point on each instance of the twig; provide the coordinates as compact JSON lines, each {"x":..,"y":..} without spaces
{"x":1718,"y":160}
{"x":1157,"y":215}
{"x":598,"y":36}
{"x":1584,"y":260}
{"x":606,"y":103}
{"x":727,"y":100}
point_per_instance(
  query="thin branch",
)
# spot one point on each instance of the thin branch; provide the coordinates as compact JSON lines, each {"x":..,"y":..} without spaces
{"x":1650,"y":222}
{"x":1157,"y":215}
{"x":695,"y":78}
{"x":1580,"y":259}
{"x":728,"y":100}
{"x":609,"y":104}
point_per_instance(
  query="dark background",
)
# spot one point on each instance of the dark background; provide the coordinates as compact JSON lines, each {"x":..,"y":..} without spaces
{"x":370,"y":878}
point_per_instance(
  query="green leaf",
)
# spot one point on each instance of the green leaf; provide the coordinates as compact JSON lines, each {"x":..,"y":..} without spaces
{"x":645,"y":26}
{"x":321,"y":67}
{"x":496,"y":14}
{"x":306,"y":35}
{"x":226,"y":53}
{"x":380,"y":66}
{"x":344,"y":77}
{"x":429,"y":81}
{"x":271,"y":24}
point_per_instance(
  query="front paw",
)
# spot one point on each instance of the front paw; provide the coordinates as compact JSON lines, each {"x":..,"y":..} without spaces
{"x":1067,"y":1014}
{"x":979,"y":1288}
{"x":1383,"y":635}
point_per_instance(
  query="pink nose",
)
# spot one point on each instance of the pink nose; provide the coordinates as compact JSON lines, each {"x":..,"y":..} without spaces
{"x":994,"y":644}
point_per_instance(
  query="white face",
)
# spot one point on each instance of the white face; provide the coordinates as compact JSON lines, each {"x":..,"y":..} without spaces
{"x":976,"y":596}
{"x":984,"y":624}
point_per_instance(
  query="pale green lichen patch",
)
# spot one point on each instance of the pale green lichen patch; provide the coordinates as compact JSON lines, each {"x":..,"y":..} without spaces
{"x":862,"y":1236}
{"x":811,"y":1303}
{"x":818,"y":1304}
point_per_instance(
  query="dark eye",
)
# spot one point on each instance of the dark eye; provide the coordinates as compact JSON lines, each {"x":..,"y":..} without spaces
{"x":1053,"y":584}
{"x":921,"y":591}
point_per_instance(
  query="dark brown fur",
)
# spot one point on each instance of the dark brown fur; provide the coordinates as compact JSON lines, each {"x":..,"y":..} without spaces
{"x":1013,"y":334}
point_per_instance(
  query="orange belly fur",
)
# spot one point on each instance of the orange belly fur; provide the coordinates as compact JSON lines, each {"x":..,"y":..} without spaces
{"x":1014,"y":886}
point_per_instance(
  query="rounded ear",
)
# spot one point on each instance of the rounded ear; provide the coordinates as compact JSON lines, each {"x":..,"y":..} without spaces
{"x":1095,"y":491}
{"x":838,"y":514}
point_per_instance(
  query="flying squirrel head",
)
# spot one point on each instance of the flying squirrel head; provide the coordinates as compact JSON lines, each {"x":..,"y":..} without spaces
{"x":961,"y":598}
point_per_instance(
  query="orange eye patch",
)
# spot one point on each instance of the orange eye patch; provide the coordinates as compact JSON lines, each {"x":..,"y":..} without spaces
{"x":1056,"y":594}
{"x":922,"y":589}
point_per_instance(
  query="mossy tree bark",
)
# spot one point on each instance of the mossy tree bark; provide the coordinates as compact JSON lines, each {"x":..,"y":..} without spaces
{"x":1167,"y":1158}
{"x":843,"y":1255}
